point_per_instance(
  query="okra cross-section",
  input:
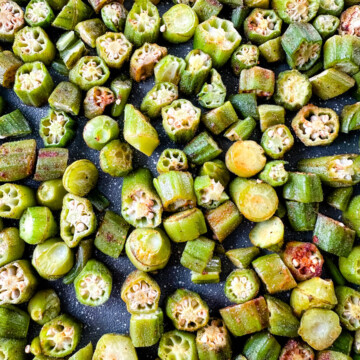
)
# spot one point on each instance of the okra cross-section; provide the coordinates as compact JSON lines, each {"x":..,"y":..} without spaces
{"x":296,"y":11}
{"x":244,"y":57}
{"x":349,"y":21}
{"x":96,"y":100}
{"x":294,"y":347}
{"x":169,"y":69}
{"x":39,"y":13}
{"x":114,"y":16}
{"x":277,"y":140}
{"x":172,"y":159}
{"x":12,"y":19}
{"x":326,"y":25}
{"x":212,"y":95}
{"x":110,"y":344}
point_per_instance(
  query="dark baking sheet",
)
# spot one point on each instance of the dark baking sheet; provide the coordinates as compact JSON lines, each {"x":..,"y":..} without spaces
{"x":112,"y":316}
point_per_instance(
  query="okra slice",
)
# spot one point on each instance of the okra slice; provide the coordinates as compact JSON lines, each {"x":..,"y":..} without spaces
{"x":212,"y":95}
{"x":33,"y":84}
{"x":176,"y":190}
{"x":350,"y":117}
{"x":88,"y":72}
{"x":241,"y":130}
{"x":245,"y":104}
{"x":9,"y":64}
{"x":293,"y":90}
{"x":142,"y":23}
{"x":292,"y":11}
{"x":294,"y":348}
{"x":244,"y":57}
{"x":37,"y":224}
{"x":331,"y":7}
{"x":302,"y":45}
{"x":13,"y":349}
{"x":274,"y":173}
{"x":313,"y":293}
{"x":213,"y":341}
{"x":210,"y":275}
{"x":218,"y":38}
{"x":340,"y":198}
{"x":52,"y":259}
{"x":346,"y":308}
{"x":161,"y":95}
{"x":60,"y":336}
{"x":121,"y":87}
{"x":114,"y":16}
{"x":272,"y":50}
{"x":247,"y":318}
{"x":114,"y":49}
{"x":77,"y":219}
{"x":14,"y":199}
{"x":138,"y":131}
{"x":172,"y":160}
{"x":349,"y":266}
{"x":17,"y":160}
{"x":216,"y":170}
{"x":71,"y":14}
{"x":332,"y":354}
{"x":257,"y":80}
{"x":262,"y":346}
{"x":66,"y":97}
{"x":326,"y":25}
{"x":71,"y":49}
{"x":50,"y":193}
{"x":97,"y":5}
{"x":84,"y":353}
{"x":356,"y":342}
{"x":96,"y":100}
{"x":334,"y":271}
{"x":262,"y":25}
{"x":148,"y":249}
{"x":51,"y":163}
{"x":270,"y":115}
{"x":209,"y":192}
{"x":205,"y":9}
{"x":319,"y":328}
{"x":177,"y":344}
{"x":348,"y":21}
{"x":197,"y":69}
{"x":11,"y":245}
{"x":14,"y":323}
{"x":303,"y":259}
{"x":181,"y":120}
{"x":39,"y":13}
{"x":44,"y":306}
{"x":350,"y":215}
{"x":187,"y":310}
{"x":110,"y":344}
{"x":12,"y":20}
{"x":239,"y":14}
{"x":274,"y":273}
{"x":169,"y":69}
{"x":141,"y":293}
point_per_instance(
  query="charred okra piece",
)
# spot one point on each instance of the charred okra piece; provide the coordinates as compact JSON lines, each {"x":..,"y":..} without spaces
{"x":274,"y":173}
{"x":257,"y":80}
{"x":262,"y":346}
{"x":17,"y":160}
{"x":217,"y":37}
{"x":121,"y":87}
{"x":243,"y":257}
{"x":13,"y":20}
{"x":114,"y":16}
{"x":169,"y":69}
{"x":270,"y":115}
{"x":11,"y":245}
{"x":66,"y":97}
{"x":33,"y":84}
{"x":326,"y":25}
{"x":277,"y":140}
{"x":110,"y":344}
{"x":138,"y":131}
{"x":140,"y":204}
{"x":346,"y":307}
{"x":205,"y":9}
{"x":212,"y":95}
{"x":77,"y":219}
{"x":241,"y":130}
{"x":39,"y":13}
{"x":292,"y":11}
{"x":70,"y":48}
{"x":14,"y":323}
{"x":349,"y":266}
{"x":211,"y":273}
{"x":209,"y":192}
{"x":9,"y":64}
{"x":244,"y":57}
{"x":50,"y":193}
{"x":177,"y":343}
{"x":44,"y":306}
{"x":51,"y":163}
{"x":148,"y":249}
{"x":172,"y":159}
{"x":96,"y":100}
{"x":247,"y":318}
{"x":187,"y":310}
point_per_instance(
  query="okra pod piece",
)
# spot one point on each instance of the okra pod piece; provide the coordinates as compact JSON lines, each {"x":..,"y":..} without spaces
{"x":213,"y":341}
{"x":114,"y":16}
{"x":292,"y":11}
{"x":210,"y":275}
{"x":257,"y":80}
{"x":209,"y":192}
{"x":9,"y":63}
{"x":15,"y":199}
{"x":262,"y":346}
{"x":349,"y":266}
{"x":14,"y":323}
{"x":17,"y":160}
{"x":77,"y":219}
{"x":238,"y":15}
{"x":161,"y":95}
{"x":293,"y":348}
{"x":356,"y":91}
{"x":197,"y":69}
{"x":319,"y":328}
{"x":59,"y":67}
{"x":274,"y":173}
{"x":212,"y":95}
{"x":326,"y":25}
{"x":303,"y":259}
{"x":172,"y":159}
{"x":96,"y":100}
{"x":331,"y":83}
{"x":39,"y":13}
{"x":348,"y":20}
{"x":350,"y":215}
{"x":205,"y":9}
{"x":11,"y":245}
{"x":51,"y":163}
{"x":270,"y":115}
{"x":303,"y":187}
{"x":176,"y":190}
{"x":293,"y":90}
{"x":44,"y":306}
{"x":216,"y":170}
{"x":350,"y":117}
{"x":140,"y":204}
{"x":332,"y":7}
{"x":340,"y":198}
{"x":187,"y":310}
{"x":34,"y":348}
{"x":138,"y":131}
{"x":148,"y":249}
{"x":71,"y":14}
{"x":60,"y":336}
{"x":13,"y":349}
{"x":17,"y":283}
{"x":50,"y":193}
{"x":346,"y":307}
{"x":84,"y":353}
{"x":88,"y":72}
{"x":185,"y":225}
{"x":245,"y":104}
{"x":313,"y":293}
{"x":302,"y":217}
{"x":334,"y":271}
{"x":169,"y":69}
{"x":332,"y":355}
{"x":177,"y":343}
{"x":52,"y":259}
{"x":71,"y":49}
{"x":247,"y":318}
{"x":33,"y":84}
{"x":242,"y":257}
{"x":244,"y":57}
{"x":356,"y":343}
{"x":97,"y":5}
{"x":37,"y":224}
{"x":121,"y":87}
{"x":110,"y":344}
{"x":272,"y":50}
{"x":146,"y":329}
{"x":66,"y":97}
{"x":221,"y":46}
{"x":13,"y":20}
{"x":277,"y":140}
{"x":142,"y":23}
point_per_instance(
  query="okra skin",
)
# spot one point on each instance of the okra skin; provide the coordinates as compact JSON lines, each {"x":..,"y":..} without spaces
{"x":66,"y":97}
{"x":121,"y":87}
{"x":245,"y":104}
{"x":334,"y":271}
{"x":210,"y":275}
{"x":51,"y":163}
{"x":50,"y":193}
{"x":9,"y":63}
{"x":14,"y":323}
{"x":212,"y":95}
{"x":84,"y":353}
{"x":270,"y":115}
{"x":216,"y":170}
{"x":349,"y":266}
{"x":350,"y":215}
{"x":262,"y":346}
{"x":272,"y":50}
{"x":205,"y":9}
{"x":90,"y":30}
{"x":71,"y":49}
{"x":346,"y":307}
{"x":332,"y":355}
{"x":243,"y":257}
{"x":169,"y":69}
{"x":257,"y":80}
{"x":350,"y":117}
{"x":13,"y":349}
{"x":11,"y":245}
{"x":115,"y":343}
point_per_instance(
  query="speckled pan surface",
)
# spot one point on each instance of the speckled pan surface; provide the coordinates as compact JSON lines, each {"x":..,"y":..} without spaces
{"x":112,"y":316}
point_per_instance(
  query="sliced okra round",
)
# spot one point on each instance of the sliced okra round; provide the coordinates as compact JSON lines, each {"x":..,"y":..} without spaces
{"x":44,"y":306}
{"x":169,"y":69}
{"x":96,"y":100}
{"x":148,"y":249}
{"x":348,"y":307}
{"x":274,"y":173}
{"x":39,"y":13}
{"x":295,"y":349}
{"x":181,"y":120}
{"x":316,"y":126}
{"x":12,"y":19}
{"x":187,"y":310}
{"x":209,"y":192}
{"x":292,"y":11}
{"x":277,"y":140}
{"x":114,"y":16}
{"x":349,"y":21}
{"x":50,"y":193}
{"x":331,"y":7}
{"x":326,"y":25}
{"x":172,"y":160}
{"x":244,"y":57}
{"x":11,"y":245}
{"x":213,"y":94}
{"x":110,"y":344}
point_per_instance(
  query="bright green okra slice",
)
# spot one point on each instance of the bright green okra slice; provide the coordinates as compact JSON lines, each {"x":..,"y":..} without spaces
{"x":292,"y":11}
{"x":333,"y":354}
{"x":241,"y":130}
{"x":326,"y":25}
{"x":277,"y":140}
{"x":272,"y":50}
{"x":161,"y":95}
{"x":17,"y":282}
{"x":243,"y":257}
{"x":148,"y":249}
{"x":340,"y":198}
{"x":39,"y":13}
{"x":350,"y":116}
{"x":177,"y":344}
{"x":77,"y":219}
{"x":121,"y":87}
{"x":13,"y":349}
{"x":211,"y":273}
{"x":331,"y":7}
{"x":12,"y":20}
{"x":205,"y":9}
{"x":60,"y":336}
{"x":9,"y":64}
{"x":246,"y":103}
{"x":33,"y":84}
{"x":212,"y":95}
{"x":50,"y":193}
{"x":274,"y":173}
{"x":11,"y":245}
{"x":44,"y":306}
{"x":346,"y":308}
{"x":216,"y":170}
{"x":66,"y":97}
{"x":262,"y":346}
{"x":84,"y":353}
{"x":96,"y":100}
{"x":114,"y":16}
{"x":169,"y":69}
{"x":217,"y":37}
{"x":110,"y":344}
{"x":270,"y":115}
{"x":187,"y":310}
{"x":244,"y":57}
{"x":142,"y":23}
{"x":14,"y":323}
{"x":71,"y":49}
{"x":209,"y":192}
{"x":349,"y":266}
{"x":257,"y":80}
{"x":172,"y":159}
